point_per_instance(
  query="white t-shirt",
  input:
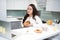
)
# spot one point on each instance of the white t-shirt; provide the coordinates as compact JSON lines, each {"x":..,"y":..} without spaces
{"x":35,"y":22}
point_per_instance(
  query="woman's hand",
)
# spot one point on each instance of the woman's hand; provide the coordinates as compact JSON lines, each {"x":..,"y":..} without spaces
{"x":27,"y":24}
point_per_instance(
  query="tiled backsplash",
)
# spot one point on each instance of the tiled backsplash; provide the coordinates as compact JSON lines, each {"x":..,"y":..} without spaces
{"x":44,"y":15}
{"x":50,"y":15}
{"x":16,"y":13}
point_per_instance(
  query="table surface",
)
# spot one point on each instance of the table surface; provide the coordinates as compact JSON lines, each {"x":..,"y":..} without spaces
{"x":22,"y":34}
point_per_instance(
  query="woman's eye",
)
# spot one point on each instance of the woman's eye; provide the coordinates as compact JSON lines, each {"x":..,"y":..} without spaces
{"x":28,"y":8}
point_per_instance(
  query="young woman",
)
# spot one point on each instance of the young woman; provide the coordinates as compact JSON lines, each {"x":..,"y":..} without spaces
{"x":32,"y":17}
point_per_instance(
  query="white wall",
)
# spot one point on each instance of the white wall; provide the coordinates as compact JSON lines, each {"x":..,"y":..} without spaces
{"x":33,"y":2}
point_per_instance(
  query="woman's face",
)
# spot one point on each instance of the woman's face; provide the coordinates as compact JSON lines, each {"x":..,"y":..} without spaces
{"x":29,"y":10}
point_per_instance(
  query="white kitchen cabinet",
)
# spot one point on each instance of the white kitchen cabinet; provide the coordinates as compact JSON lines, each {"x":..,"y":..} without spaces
{"x":2,"y":9}
{"x":53,"y":5}
{"x":6,"y":28}
{"x":17,"y":4}
{"x":11,"y":5}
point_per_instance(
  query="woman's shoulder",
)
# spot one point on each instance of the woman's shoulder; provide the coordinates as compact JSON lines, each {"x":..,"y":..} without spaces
{"x":36,"y":16}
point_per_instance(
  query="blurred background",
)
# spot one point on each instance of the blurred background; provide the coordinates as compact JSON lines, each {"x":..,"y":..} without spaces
{"x":13,"y":11}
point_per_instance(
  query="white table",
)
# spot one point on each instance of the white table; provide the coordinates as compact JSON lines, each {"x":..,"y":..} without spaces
{"x":2,"y":38}
{"x":22,"y":34}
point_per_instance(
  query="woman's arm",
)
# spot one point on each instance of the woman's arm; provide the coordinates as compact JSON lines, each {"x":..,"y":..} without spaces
{"x":38,"y":21}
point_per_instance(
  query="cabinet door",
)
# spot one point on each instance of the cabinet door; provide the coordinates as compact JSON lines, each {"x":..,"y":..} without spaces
{"x":17,"y":4}
{"x":6,"y":33}
{"x":53,"y":5}
{"x":2,"y":9}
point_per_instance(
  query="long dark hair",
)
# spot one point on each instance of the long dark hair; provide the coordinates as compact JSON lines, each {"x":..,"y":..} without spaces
{"x":35,"y":12}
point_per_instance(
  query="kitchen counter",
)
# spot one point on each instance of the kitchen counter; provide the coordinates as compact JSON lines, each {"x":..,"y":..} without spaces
{"x":22,"y":34}
{"x":11,"y":19}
